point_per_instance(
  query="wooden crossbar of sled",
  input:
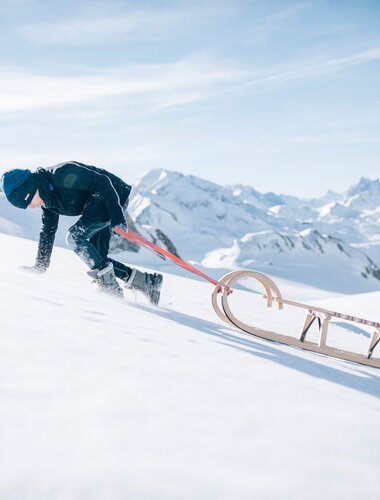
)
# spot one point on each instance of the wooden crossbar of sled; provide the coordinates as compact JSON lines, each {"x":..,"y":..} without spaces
{"x":273,"y":296}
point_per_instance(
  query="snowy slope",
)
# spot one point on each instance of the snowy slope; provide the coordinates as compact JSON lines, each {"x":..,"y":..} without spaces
{"x":104,"y":400}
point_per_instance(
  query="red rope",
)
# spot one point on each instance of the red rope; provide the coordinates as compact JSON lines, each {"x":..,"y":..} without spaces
{"x":142,"y":242}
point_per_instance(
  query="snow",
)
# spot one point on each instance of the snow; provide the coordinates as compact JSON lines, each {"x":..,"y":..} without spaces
{"x":101,"y":399}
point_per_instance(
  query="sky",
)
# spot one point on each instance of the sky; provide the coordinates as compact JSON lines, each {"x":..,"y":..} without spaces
{"x":280,"y":95}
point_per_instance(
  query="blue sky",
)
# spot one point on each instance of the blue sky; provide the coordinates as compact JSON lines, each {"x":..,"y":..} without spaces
{"x":280,"y":95}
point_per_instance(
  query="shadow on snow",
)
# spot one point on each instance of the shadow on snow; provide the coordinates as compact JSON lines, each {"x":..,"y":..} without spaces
{"x":356,"y":379}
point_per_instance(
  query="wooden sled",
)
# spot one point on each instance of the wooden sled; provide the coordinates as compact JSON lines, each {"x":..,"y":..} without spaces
{"x":272,"y":295}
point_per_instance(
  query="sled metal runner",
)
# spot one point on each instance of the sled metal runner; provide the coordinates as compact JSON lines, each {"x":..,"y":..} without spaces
{"x":272,"y":295}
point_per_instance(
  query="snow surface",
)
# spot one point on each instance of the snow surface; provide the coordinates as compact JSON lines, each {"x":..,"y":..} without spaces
{"x":101,"y":399}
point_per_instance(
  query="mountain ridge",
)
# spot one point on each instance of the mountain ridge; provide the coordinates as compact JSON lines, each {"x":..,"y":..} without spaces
{"x":325,"y":235}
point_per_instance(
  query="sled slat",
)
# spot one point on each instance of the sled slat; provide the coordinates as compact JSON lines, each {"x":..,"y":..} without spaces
{"x":324,"y":329}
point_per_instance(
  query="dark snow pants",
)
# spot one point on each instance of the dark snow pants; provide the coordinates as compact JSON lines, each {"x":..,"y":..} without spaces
{"x":90,"y":239}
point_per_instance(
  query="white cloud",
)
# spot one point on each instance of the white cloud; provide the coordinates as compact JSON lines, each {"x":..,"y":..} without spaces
{"x":142,"y":24}
{"x":310,"y":70}
{"x":352,"y":60}
{"x":98,"y":22}
{"x":165,"y":84}
{"x":155,"y":86}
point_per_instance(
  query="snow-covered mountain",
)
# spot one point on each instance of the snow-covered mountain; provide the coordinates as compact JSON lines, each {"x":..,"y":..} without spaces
{"x":331,"y":242}
{"x":326,"y":242}
{"x":312,"y":258}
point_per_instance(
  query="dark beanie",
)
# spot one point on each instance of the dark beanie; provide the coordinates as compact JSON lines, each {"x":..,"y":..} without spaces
{"x":19,"y":186}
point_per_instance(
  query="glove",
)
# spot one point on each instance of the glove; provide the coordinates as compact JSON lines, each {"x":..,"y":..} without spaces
{"x":123,"y":226}
{"x":33,"y":269}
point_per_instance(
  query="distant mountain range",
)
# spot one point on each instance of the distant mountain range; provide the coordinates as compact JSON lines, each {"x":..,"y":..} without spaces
{"x":332,"y":242}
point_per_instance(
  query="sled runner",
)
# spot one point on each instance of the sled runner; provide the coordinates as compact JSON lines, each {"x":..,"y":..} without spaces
{"x":272,"y":295}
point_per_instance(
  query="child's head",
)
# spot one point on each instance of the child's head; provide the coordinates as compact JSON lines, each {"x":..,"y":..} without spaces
{"x":19,"y":186}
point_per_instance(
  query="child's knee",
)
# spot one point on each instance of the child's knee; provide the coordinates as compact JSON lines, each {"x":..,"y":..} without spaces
{"x":73,"y":237}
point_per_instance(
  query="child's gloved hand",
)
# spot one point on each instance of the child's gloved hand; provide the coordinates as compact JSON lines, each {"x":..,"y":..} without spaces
{"x":123,"y":226}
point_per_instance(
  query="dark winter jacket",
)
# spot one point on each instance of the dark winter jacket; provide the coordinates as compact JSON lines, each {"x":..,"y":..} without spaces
{"x":74,"y":188}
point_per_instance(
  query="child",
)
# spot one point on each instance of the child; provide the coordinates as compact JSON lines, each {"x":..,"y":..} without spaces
{"x":100,"y":198}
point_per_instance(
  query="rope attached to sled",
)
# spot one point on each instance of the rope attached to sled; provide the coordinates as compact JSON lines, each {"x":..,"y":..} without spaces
{"x":142,"y":242}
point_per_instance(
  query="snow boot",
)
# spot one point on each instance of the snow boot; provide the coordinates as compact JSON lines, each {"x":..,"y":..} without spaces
{"x":149,"y":284}
{"x":106,"y":280}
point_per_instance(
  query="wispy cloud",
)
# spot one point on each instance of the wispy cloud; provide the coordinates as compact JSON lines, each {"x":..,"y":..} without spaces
{"x":109,"y":21}
{"x":157,"y":86}
{"x":307,"y":70}
{"x":165,"y":84}
{"x":139,"y":23}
